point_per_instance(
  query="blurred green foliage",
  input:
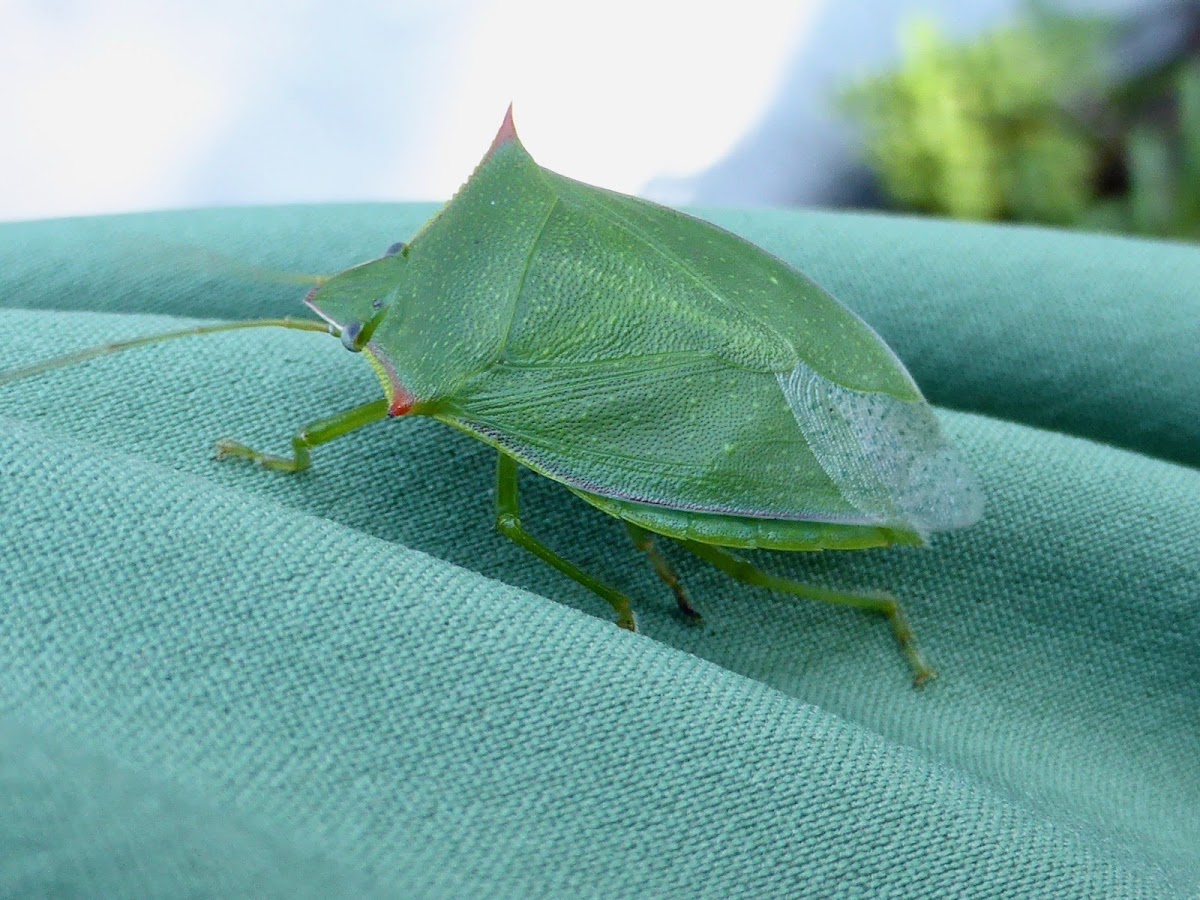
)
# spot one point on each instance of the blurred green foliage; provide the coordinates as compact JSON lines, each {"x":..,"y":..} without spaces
{"x":1163,"y":172}
{"x":1026,"y":124}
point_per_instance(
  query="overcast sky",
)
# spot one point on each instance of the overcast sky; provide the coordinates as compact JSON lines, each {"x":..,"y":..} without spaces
{"x":116,"y":105}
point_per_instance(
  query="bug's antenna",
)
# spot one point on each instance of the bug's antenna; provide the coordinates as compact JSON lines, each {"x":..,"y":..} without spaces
{"x":71,"y":359}
{"x":207,"y":261}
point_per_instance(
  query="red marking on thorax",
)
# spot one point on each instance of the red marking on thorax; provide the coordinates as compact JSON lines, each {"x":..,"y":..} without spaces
{"x":402,"y":402}
{"x":402,"y":399}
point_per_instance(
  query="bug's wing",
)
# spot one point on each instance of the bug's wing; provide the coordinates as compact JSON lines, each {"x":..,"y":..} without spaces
{"x":641,"y":354}
{"x":692,"y":431}
{"x":887,"y":456}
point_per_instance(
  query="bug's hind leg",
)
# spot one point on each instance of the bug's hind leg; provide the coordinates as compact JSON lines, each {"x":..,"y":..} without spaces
{"x":508,"y":523}
{"x":873,"y":601}
{"x":644,"y":541}
{"x":311,"y":435}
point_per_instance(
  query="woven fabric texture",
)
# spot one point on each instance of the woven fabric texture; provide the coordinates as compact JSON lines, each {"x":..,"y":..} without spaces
{"x":216,"y":680}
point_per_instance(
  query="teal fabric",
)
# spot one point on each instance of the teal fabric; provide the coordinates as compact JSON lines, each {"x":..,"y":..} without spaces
{"x":216,"y":681}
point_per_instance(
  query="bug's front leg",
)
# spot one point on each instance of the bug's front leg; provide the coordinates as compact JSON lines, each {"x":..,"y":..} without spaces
{"x":508,"y":523}
{"x":311,"y":435}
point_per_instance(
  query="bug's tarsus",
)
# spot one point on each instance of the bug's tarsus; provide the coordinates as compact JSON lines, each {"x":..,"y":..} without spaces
{"x":508,"y":523}
{"x":875,"y":601}
{"x":644,"y":541}
{"x":312,"y":435}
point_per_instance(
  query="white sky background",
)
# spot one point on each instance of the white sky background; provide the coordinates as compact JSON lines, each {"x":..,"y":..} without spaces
{"x":118,"y":105}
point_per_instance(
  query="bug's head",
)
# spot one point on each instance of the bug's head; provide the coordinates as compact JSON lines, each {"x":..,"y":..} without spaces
{"x":357,"y":300}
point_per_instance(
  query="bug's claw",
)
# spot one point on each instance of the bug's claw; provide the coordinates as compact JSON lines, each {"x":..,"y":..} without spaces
{"x":230,"y":449}
{"x":686,"y":609}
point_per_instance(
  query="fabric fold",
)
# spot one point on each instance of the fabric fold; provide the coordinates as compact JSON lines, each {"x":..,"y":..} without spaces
{"x":353,"y":660}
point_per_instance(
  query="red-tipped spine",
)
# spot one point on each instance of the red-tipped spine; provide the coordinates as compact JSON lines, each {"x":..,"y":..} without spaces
{"x":507,"y":132}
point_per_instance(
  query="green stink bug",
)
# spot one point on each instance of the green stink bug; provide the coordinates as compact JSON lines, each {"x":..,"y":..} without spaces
{"x":665,"y":371}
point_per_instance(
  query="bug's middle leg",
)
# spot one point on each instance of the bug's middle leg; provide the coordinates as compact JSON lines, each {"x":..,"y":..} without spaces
{"x":644,"y":541}
{"x":508,"y":523}
{"x":311,"y":435}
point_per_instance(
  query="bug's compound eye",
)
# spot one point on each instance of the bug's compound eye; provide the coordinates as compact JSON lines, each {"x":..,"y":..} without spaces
{"x":394,"y":249}
{"x":351,"y":332}
{"x":377,"y":303}
{"x":356,"y":335}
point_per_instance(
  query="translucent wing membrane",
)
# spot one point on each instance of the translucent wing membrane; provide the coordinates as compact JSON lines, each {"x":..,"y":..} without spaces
{"x":887,"y":456}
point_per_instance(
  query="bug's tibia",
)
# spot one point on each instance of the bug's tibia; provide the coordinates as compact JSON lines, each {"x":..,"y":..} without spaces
{"x":312,"y":435}
{"x":508,"y":523}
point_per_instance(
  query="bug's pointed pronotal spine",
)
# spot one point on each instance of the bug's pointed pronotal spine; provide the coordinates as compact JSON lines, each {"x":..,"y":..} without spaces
{"x":506,"y":134}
